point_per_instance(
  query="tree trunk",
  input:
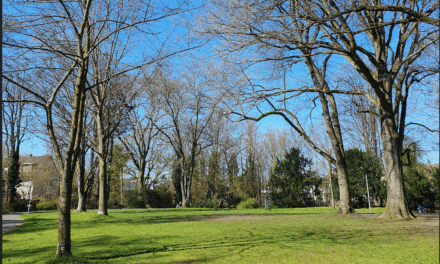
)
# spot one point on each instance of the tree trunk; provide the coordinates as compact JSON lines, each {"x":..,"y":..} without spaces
{"x":102,"y":174}
{"x":81,"y":178}
{"x":185,"y":184}
{"x":333,"y":131}
{"x":65,"y":199}
{"x":64,"y":240}
{"x":396,"y":205}
{"x":331,"y":186}
{"x":333,"y":127}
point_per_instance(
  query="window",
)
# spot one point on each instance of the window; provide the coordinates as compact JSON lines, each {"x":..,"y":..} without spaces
{"x":27,"y":167}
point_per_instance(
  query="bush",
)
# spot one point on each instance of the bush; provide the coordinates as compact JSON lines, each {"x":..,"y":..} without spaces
{"x":20,"y":205}
{"x":132,"y":199}
{"x":47,"y":205}
{"x":248,"y":204}
{"x":161,"y":197}
{"x":206,"y":203}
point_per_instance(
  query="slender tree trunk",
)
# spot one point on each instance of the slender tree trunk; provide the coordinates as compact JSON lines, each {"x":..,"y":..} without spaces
{"x":81,"y":178}
{"x":122,"y":184}
{"x":65,"y":199}
{"x":331,"y":186}
{"x":102,"y":174}
{"x":331,"y":119}
{"x":333,"y":131}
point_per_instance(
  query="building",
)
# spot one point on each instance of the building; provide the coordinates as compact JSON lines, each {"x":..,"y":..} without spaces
{"x":40,"y":177}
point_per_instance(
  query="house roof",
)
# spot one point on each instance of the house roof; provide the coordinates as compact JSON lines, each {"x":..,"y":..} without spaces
{"x":41,"y":160}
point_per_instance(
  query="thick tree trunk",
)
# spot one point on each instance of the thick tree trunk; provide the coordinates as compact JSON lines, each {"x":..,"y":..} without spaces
{"x":64,"y":240}
{"x":396,"y":205}
{"x":141,"y":180}
{"x":185,"y":185}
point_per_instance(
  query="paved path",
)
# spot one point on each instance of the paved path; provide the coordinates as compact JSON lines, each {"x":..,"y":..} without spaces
{"x":11,"y":221}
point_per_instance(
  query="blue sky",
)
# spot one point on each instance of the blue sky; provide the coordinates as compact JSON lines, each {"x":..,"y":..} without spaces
{"x":37,"y":147}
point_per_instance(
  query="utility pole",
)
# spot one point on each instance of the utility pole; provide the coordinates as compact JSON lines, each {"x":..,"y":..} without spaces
{"x":368,"y":192}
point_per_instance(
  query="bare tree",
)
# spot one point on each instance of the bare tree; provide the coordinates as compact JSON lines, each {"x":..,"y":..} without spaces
{"x":146,"y":149}
{"x":381,"y":41}
{"x":14,"y":129}
{"x":275,"y":43}
{"x":189,"y":106}
{"x":54,"y":40}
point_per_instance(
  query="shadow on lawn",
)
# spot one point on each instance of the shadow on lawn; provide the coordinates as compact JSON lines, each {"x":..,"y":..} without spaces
{"x":36,"y":225}
{"x":115,"y":248}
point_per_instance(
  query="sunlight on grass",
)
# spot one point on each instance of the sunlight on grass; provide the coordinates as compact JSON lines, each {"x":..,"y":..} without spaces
{"x":309,"y":235}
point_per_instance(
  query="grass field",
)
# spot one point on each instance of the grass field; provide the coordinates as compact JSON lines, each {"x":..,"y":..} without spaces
{"x":303,"y":235}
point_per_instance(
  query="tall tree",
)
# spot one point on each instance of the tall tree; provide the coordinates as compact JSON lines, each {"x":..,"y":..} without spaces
{"x":189,"y":106}
{"x":55,"y":40}
{"x":14,"y":128}
{"x":292,"y":182}
{"x":270,"y":30}
{"x":360,"y":165}
{"x":147,"y":151}
{"x":382,"y":41}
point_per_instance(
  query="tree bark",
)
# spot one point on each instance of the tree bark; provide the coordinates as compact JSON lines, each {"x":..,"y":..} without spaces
{"x":81,"y":182}
{"x":396,"y":205}
{"x":102,"y":174}
{"x":65,"y":199}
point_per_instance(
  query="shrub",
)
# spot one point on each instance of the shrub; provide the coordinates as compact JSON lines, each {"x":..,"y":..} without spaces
{"x":165,"y":197}
{"x":248,"y":204}
{"x":206,"y":203}
{"x":47,"y":205}
{"x":132,"y":199}
{"x":159,"y":198}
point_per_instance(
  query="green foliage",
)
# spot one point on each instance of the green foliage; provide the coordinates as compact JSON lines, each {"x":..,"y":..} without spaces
{"x":250,"y":203}
{"x":206,"y":203}
{"x":47,"y":205}
{"x":411,"y":154}
{"x":175,"y":179}
{"x":119,"y":158}
{"x":419,"y":188}
{"x":133,"y":200}
{"x":359,"y":163}
{"x":291,"y":181}
{"x":249,"y":179}
{"x":161,"y":197}
{"x":13,"y":174}
{"x":435,"y":175}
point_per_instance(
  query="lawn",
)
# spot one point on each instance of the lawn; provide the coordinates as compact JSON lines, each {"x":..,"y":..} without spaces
{"x":302,"y":235}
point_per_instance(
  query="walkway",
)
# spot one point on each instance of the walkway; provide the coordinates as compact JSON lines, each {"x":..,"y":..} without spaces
{"x":11,"y":221}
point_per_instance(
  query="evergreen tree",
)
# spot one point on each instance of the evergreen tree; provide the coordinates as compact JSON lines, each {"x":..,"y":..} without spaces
{"x":175,"y":178}
{"x":359,"y":163}
{"x":13,"y":175}
{"x":291,"y":181}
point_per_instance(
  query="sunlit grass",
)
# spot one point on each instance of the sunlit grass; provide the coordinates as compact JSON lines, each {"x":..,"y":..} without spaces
{"x":310,"y":235}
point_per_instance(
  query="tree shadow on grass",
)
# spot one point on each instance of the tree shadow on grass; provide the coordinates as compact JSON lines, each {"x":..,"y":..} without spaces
{"x":113,"y":248}
{"x":27,"y":253}
{"x":37,"y":225}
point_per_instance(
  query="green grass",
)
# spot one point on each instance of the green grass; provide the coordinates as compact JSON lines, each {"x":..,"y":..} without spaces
{"x":302,"y":235}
